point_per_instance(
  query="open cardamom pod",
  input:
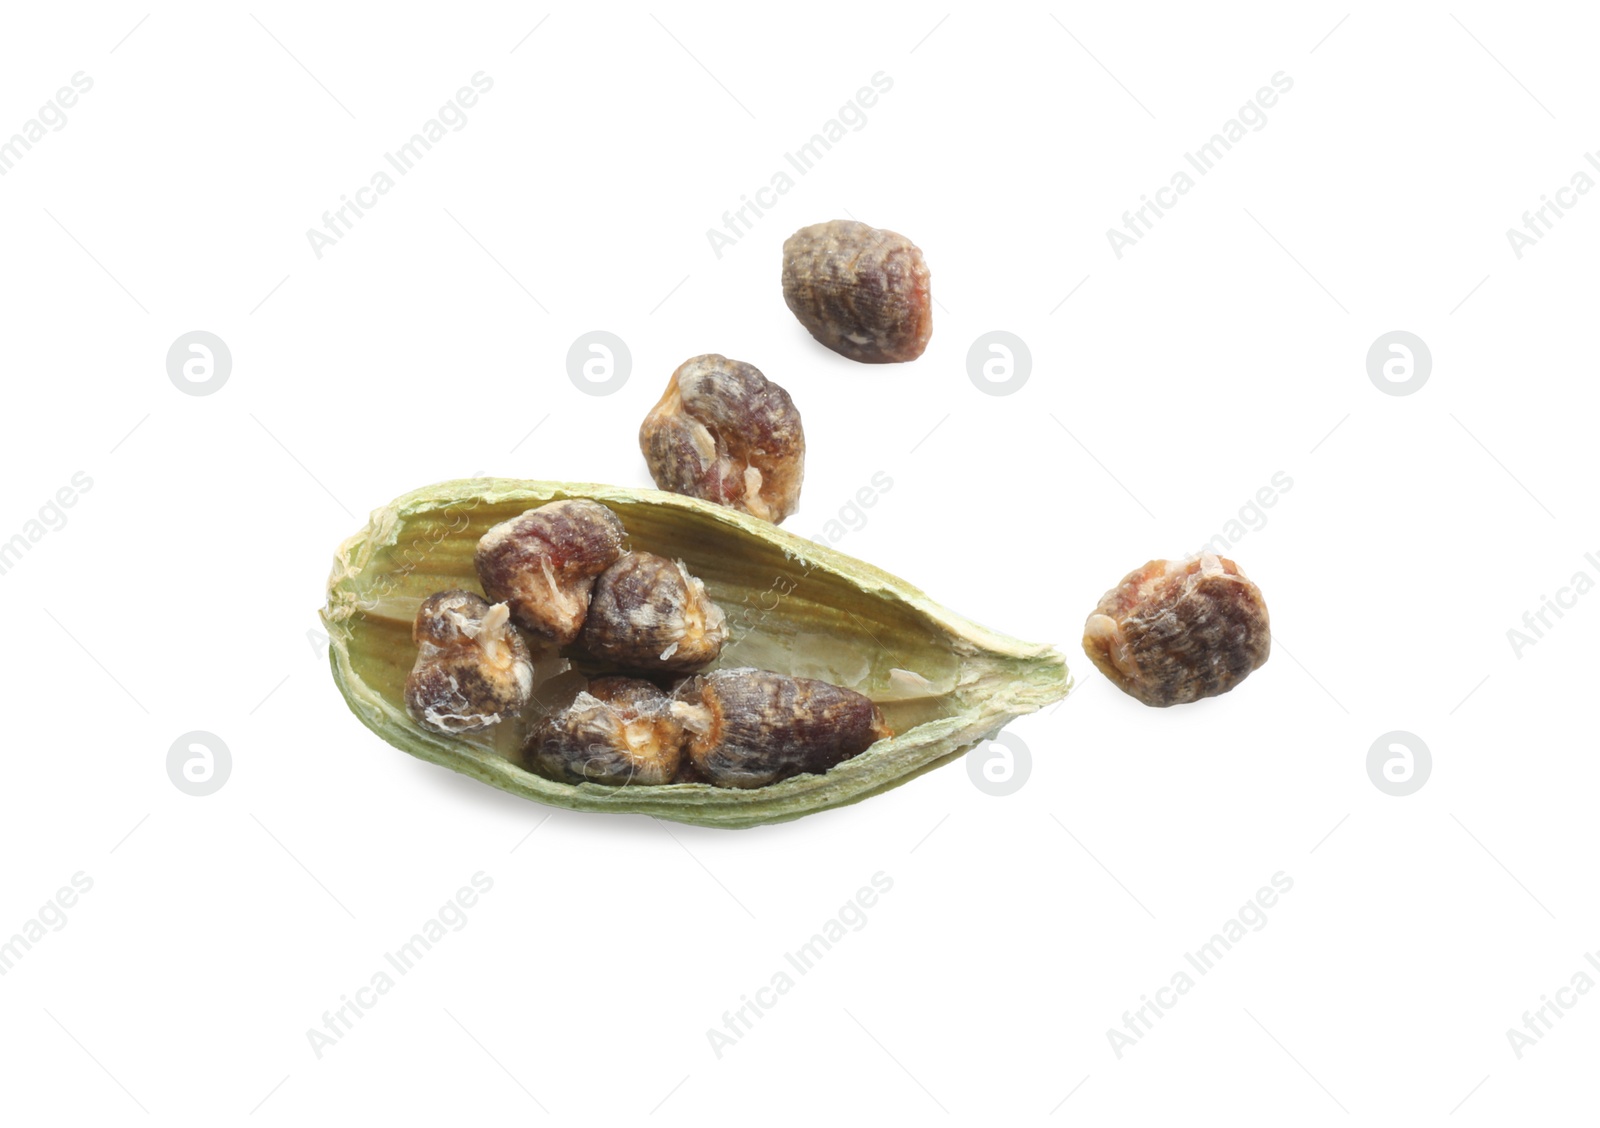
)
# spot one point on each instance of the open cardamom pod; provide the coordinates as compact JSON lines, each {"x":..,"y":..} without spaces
{"x":941,"y":682}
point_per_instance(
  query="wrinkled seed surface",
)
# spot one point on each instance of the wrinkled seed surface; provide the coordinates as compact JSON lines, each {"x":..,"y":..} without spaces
{"x":543,"y":563}
{"x":756,"y":727}
{"x":472,"y":670}
{"x":862,"y":291}
{"x":617,"y":731}
{"x":723,"y":432}
{"x":1175,"y":631}
{"x":648,"y":613}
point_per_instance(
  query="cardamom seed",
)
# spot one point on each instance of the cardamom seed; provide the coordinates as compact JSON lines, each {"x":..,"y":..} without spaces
{"x":724,"y":432}
{"x":750,"y":728}
{"x":1175,"y":631}
{"x":473,"y":669}
{"x":650,"y":614}
{"x":860,"y":290}
{"x":543,"y":564}
{"x":617,"y":731}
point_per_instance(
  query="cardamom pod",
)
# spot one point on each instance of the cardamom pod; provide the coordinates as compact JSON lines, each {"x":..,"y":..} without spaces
{"x":941,"y":682}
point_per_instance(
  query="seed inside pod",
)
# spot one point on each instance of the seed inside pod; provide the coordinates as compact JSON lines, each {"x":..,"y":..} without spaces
{"x":472,"y":670}
{"x":862,"y":291}
{"x":543,"y":563}
{"x":1175,"y":631}
{"x":618,"y":731}
{"x":749,"y":728}
{"x":725,"y":433}
{"x":648,"y":613}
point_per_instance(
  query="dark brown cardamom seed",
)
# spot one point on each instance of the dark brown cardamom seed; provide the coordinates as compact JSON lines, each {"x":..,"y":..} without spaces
{"x":472,"y":670}
{"x":861,"y":291}
{"x":617,"y":731}
{"x":648,"y":613}
{"x":725,"y":433}
{"x":1175,"y":631}
{"x":749,"y":728}
{"x":544,"y":563}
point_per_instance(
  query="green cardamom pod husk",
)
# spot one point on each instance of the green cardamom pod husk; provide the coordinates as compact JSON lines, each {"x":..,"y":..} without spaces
{"x":944,"y":683}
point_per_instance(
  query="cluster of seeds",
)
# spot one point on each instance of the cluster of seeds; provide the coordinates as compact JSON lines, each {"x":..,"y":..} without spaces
{"x":606,"y":664}
{"x":724,"y":433}
{"x":563,"y":574}
{"x":1172,"y":632}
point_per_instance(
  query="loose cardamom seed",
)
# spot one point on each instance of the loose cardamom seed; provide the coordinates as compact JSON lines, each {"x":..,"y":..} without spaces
{"x":1175,"y":631}
{"x":794,"y":607}
{"x":860,"y":290}
{"x":723,"y":432}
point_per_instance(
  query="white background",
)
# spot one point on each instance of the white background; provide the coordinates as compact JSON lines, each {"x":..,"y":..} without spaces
{"x":1227,"y":346}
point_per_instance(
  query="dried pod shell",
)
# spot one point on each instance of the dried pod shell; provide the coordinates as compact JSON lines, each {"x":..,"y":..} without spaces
{"x":616,"y":732}
{"x":942,"y":682}
{"x":723,"y":432}
{"x":543,"y":563}
{"x":472,"y":669}
{"x":1175,"y":631}
{"x":862,"y":291}
{"x":749,"y":728}
{"x":648,"y":613}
